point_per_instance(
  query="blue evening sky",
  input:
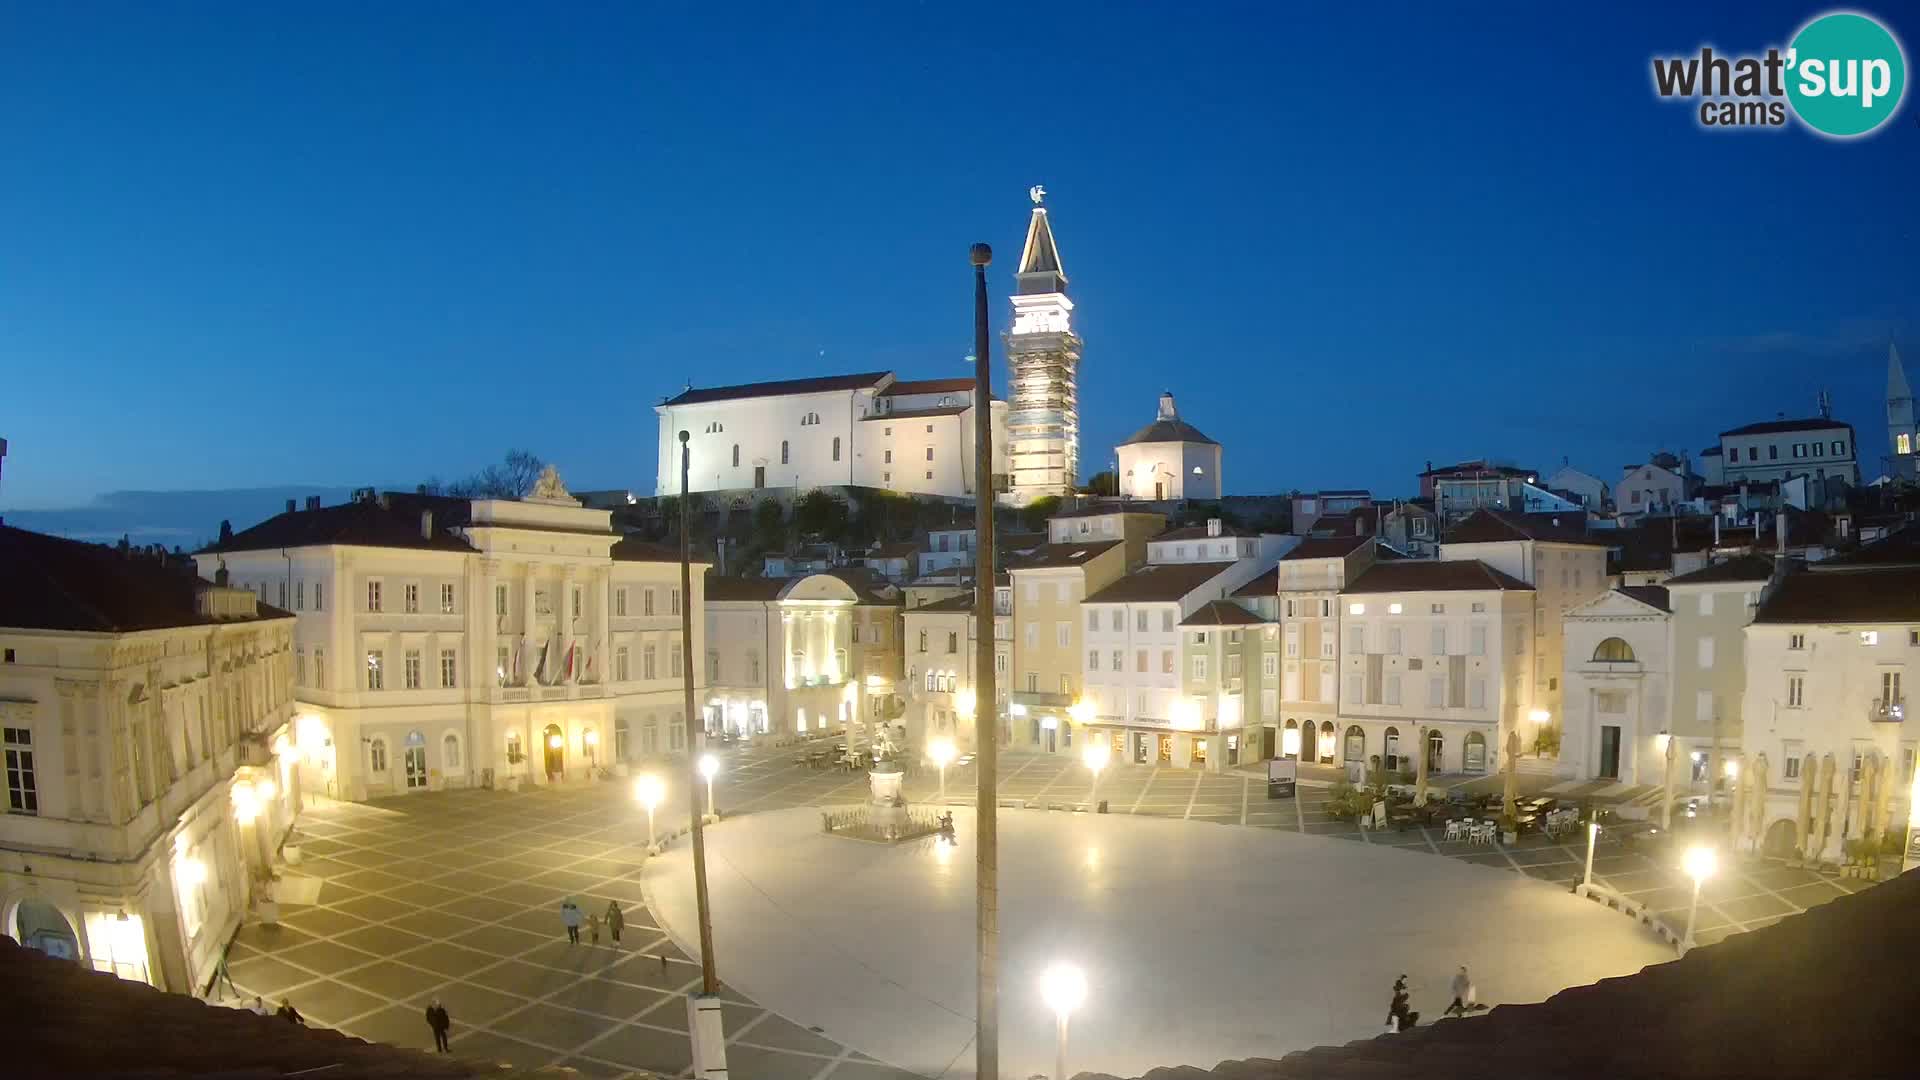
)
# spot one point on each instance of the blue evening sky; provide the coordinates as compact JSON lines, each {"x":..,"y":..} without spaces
{"x":256,"y":244}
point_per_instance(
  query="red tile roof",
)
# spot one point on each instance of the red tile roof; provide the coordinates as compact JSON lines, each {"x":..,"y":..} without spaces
{"x":363,"y":524}
{"x":1739,"y":568}
{"x":1157,"y":582}
{"x":1222,"y":613}
{"x":1769,"y":427}
{"x":48,"y":583}
{"x":1847,"y":597}
{"x":929,"y":386}
{"x":1053,"y":556}
{"x":780,"y":387}
{"x":1494,"y":526}
{"x":1431,"y":575}
{"x":1325,"y":547}
{"x":1267,"y":584}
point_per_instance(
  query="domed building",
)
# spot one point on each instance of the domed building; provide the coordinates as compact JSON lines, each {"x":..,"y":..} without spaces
{"x":1169,"y":459}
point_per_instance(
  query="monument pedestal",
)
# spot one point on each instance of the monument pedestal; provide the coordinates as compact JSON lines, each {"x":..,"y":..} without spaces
{"x":886,"y":809}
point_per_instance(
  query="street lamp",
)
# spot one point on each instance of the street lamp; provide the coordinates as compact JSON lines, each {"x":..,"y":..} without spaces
{"x":709,"y":768}
{"x":1539,"y":718}
{"x":1063,"y":987}
{"x":649,"y":790}
{"x":1095,"y":757}
{"x":941,"y":752}
{"x":1593,"y":834}
{"x":1698,"y":863}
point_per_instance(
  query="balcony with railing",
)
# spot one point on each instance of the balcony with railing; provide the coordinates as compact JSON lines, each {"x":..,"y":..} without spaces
{"x":1887,"y":710}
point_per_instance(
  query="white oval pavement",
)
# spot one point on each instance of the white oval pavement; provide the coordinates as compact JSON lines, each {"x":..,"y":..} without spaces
{"x":1200,"y":942}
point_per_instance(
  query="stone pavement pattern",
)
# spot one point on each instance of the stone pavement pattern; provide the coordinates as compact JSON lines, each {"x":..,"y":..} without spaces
{"x":456,"y":893}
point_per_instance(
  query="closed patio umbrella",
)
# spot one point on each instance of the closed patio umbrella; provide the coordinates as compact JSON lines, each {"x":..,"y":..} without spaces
{"x":1822,"y":810}
{"x":1666,"y":784}
{"x":1420,"y":770}
{"x":1737,"y":821}
{"x":1803,"y":821}
{"x":1860,"y":799}
{"x":1510,"y":803}
{"x":1883,"y":797}
{"x":1757,"y":809}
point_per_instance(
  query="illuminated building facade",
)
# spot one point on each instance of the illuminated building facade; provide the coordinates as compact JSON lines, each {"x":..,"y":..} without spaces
{"x":1043,"y":358}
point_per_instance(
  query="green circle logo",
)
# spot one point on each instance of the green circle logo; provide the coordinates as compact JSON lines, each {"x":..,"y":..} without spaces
{"x":1846,"y":75}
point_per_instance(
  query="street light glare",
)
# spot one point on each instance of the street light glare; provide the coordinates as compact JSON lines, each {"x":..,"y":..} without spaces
{"x":1063,"y":987}
{"x":1699,"y":863}
{"x":941,"y":752}
{"x":649,"y":790}
{"x":709,"y":766}
{"x":1095,"y":756}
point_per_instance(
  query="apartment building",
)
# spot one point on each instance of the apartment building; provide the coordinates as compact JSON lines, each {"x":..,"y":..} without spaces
{"x":804,"y":654}
{"x":150,"y":765}
{"x":1826,"y":752}
{"x":1566,"y":567}
{"x":1047,"y":588}
{"x":1435,"y":658}
{"x":443,"y":642}
{"x":1308,"y":580}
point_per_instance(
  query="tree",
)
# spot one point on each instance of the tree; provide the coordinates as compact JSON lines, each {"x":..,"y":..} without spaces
{"x":226,"y":531}
{"x":769,"y":525}
{"x":820,"y":516}
{"x":513,"y":478}
{"x":1034,"y":515}
{"x":1104,"y":482}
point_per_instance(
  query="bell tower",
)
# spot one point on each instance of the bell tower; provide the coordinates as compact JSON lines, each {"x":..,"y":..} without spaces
{"x":1903,"y":440}
{"x":1043,"y":355}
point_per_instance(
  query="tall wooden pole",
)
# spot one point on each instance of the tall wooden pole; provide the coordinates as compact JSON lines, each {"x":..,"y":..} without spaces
{"x":709,"y":982}
{"x":986,"y":707}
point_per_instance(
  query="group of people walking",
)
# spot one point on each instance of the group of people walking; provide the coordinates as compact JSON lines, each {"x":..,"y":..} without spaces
{"x":571,"y":918}
{"x":1400,"y":1016}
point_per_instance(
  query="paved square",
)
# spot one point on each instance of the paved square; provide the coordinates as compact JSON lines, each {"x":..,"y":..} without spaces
{"x":453,"y":894}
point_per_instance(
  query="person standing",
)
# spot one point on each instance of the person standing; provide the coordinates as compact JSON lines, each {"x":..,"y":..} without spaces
{"x":570,"y":918}
{"x":259,"y":1006}
{"x":1463,"y":993}
{"x":616,"y":921}
{"x":441,"y":1023}
{"x":593,"y":929}
{"x":290,"y":1014}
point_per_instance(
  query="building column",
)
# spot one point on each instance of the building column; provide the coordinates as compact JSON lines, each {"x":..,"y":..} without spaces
{"x":528,"y":620}
{"x":786,"y":650}
{"x":603,"y":607}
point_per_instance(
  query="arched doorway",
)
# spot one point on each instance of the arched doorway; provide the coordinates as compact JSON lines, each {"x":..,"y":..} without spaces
{"x":1476,"y":753}
{"x":1356,"y":744}
{"x":1390,"y":756}
{"x":554,"y":742}
{"x":1781,"y":840}
{"x":1326,"y":742}
{"x":1436,"y":745}
{"x":39,"y":925}
{"x":414,"y":755}
{"x":1291,"y":743}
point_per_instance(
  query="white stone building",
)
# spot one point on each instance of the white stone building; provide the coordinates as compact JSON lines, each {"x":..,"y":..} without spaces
{"x":1618,"y":679}
{"x":863,"y":430}
{"x":447,"y":642}
{"x":1828,"y":750}
{"x":150,"y":774}
{"x":1820,"y":449}
{"x":803,"y":654}
{"x":1435,"y":654}
{"x":1169,"y":459}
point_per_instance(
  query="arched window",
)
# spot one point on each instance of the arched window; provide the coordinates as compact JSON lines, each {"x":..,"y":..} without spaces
{"x":836,"y":448}
{"x":1356,"y":749}
{"x":1435,"y":746}
{"x":1476,"y":753}
{"x":736,"y":455}
{"x":784,"y":455}
{"x":450,"y":751}
{"x":1324,"y":751}
{"x":1391,"y":758}
{"x":1613,"y":649}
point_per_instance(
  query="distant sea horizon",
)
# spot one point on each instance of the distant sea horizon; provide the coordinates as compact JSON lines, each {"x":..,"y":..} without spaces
{"x":185,"y":519}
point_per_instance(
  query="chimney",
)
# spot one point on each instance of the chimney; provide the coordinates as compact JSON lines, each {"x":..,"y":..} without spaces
{"x":426,"y":524}
{"x":385,"y":503}
{"x":313,"y":502}
{"x":1213,"y":526}
{"x":1780,"y":536}
{"x":290,"y":505}
{"x":1716,"y":530}
{"x":220,"y":574}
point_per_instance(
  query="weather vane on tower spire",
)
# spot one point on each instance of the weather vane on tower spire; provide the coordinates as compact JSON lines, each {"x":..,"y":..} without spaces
{"x":1036,"y":193}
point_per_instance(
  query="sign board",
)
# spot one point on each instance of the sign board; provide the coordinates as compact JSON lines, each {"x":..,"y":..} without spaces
{"x":1282,"y":776}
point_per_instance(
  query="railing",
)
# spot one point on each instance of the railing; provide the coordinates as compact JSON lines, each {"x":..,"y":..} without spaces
{"x":1887,"y":710}
{"x":1611,"y":667}
{"x":1042,"y":698}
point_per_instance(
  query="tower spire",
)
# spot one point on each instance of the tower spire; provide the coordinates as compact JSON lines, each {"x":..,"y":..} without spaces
{"x":1040,"y":270}
{"x":1897,"y":388}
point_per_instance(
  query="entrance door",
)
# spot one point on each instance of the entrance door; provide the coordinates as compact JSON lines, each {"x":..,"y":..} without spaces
{"x":1046,"y":738}
{"x":555,"y":745}
{"x":1166,"y":749}
{"x":1610,"y":751}
{"x":1266,"y":747}
{"x":1142,"y":749}
{"x":416,"y":767}
{"x":759,"y":476}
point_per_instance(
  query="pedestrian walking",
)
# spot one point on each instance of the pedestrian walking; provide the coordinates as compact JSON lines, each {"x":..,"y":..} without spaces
{"x":570,"y":918}
{"x":1399,"y":1016}
{"x":290,"y":1014}
{"x":1463,"y":993}
{"x":441,"y":1023}
{"x":593,"y":929}
{"x":616,"y":921}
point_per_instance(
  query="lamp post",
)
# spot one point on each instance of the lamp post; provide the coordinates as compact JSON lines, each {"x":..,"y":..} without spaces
{"x":704,"y":1018}
{"x":986,"y":1031}
{"x":709,"y":768}
{"x":942,"y":753}
{"x":1095,"y":757}
{"x":1063,"y":987}
{"x":1593,"y":834}
{"x":648,"y":789}
{"x":1698,"y":863}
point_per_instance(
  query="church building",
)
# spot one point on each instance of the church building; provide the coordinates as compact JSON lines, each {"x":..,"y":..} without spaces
{"x":1169,"y":459}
